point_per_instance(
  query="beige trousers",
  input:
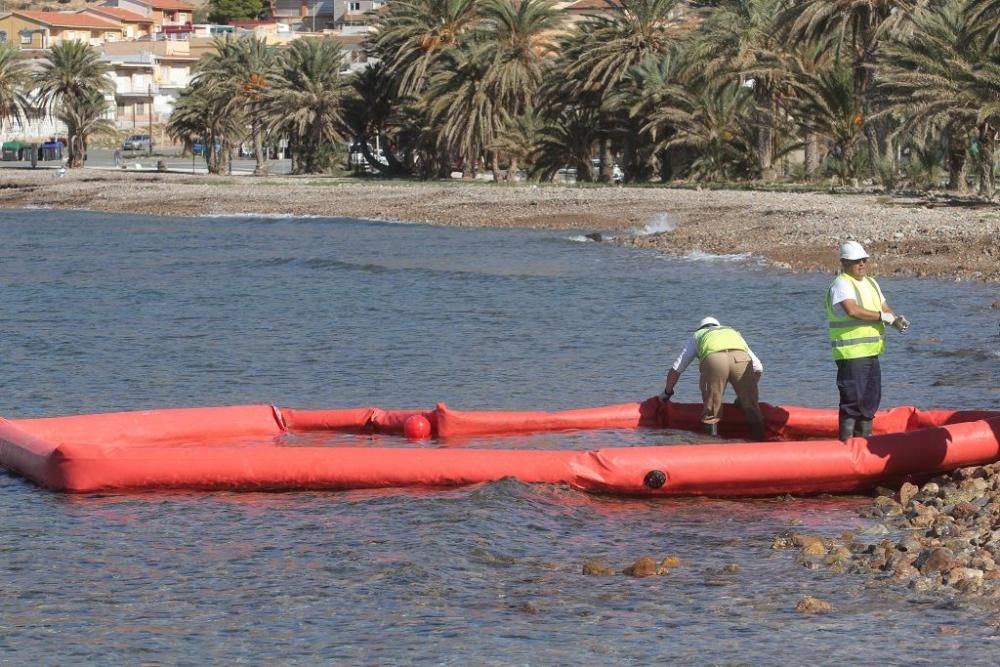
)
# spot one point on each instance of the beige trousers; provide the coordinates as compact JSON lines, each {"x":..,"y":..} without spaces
{"x":734,"y":367}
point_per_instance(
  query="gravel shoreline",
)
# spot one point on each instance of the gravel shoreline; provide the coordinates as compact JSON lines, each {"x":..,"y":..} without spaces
{"x":794,"y":231}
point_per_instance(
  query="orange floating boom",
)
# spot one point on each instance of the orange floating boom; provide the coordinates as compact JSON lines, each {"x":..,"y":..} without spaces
{"x":239,"y":448}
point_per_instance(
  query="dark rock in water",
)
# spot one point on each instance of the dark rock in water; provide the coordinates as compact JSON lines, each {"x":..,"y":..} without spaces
{"x":811,"y":605}
{"x":644,"y":567}
{"x":595,"y":236}
{"x":597,"y":568}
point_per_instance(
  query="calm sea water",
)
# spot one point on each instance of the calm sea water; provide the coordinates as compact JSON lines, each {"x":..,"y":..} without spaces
{"x":104,"y":313}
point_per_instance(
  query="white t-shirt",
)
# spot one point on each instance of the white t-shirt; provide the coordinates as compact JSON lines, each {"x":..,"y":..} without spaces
{"x":690,"y":353}
{"x":843,"y":289}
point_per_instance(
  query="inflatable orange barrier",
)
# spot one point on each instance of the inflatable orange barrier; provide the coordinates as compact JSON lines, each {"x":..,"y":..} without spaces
{"x":241,"y":448}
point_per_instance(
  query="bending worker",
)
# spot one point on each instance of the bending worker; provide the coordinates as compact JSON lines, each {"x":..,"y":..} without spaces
{"x":724,"y":357}
{"x":857,"y":313}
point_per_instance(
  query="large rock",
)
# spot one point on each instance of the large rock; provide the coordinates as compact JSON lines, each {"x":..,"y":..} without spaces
{"x":811,"y":605}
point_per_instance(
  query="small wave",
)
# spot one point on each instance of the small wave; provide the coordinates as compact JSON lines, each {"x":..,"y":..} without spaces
{"x":659,"y":223}
{"x":700,"y":256}
{"x":267,"y":216}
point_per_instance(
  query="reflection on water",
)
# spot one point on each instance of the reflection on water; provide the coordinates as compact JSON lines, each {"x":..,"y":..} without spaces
{"x":111,"y":313}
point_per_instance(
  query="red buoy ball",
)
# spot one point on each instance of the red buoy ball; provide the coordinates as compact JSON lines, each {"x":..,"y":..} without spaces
{"x":416,"y":427}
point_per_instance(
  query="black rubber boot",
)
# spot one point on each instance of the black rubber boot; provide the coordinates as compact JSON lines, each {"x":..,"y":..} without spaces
{"x":863,"y":428}
{"x":846,"y":428}
{"x":757,"y":432}
{"x":712,"y":430}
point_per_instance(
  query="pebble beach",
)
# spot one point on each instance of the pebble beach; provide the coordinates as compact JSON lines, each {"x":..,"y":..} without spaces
{"x":797,"y":231}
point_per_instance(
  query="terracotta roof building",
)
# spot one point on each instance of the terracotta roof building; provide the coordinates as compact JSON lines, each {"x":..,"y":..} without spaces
{"x":40,"y":30}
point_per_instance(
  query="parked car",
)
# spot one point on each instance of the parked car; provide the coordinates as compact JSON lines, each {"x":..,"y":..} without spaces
{"x":138,"y":142}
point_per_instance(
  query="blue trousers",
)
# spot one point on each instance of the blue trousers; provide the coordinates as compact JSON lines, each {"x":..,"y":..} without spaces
{"x":860,"y":385}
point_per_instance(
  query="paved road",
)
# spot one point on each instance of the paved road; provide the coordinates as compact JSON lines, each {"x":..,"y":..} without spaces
{"x":138,"y":161}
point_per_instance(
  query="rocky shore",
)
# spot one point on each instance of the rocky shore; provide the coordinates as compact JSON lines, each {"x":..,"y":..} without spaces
{"x":793,"y":231}
{"x":948,"y":538}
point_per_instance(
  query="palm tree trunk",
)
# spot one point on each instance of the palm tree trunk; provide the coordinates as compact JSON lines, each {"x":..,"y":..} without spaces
{"x":607,"y":161}
{"x":956,"y":161}
{"x":512,"y":169}
{"x":258,"y":150}
{"x":628,"y":157}
{"x":765,"y":137}
{"x":812,"y":157}
{"x":75,"y":151}
{"x":986,"y":143}
{"x":495,"y":166}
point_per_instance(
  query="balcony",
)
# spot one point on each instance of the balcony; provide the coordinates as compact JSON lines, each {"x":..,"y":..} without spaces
{"x":137,"y":90}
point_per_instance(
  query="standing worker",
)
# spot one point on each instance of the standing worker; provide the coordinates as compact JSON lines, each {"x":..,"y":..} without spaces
{"x":857,"y":312}
{"x":724,"y":357}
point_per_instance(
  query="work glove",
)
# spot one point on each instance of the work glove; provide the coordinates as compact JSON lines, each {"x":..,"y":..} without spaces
{"x":887,"y":318}
{"x":901,"y":323}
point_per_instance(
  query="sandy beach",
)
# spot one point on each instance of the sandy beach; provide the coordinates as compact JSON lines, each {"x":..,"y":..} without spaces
{"x":793,"y":231}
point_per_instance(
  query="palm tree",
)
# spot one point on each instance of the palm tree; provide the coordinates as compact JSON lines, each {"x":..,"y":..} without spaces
{"x":15,"y":78}
{"x":568,"y":139}
{"x":943,"y":77}
{"x":84,"y":117}
{"x":645,"y":88}
{"x":855,"y":29}
{"x":713,"y":122}
{"x":70,"y":74}
{"x":983,"y":19}
{"x":597,"y":55}
{"x":240,"y":70}
{"x":522,"y":37}
{"x":372,"y":108}
{"x":518,"y":140}
{"x":826,"y":105}
{"x":738,"y":39}
{"x":202,"y":114}
{"x":413,"y":34}
{"x":461,"y":107}
{"x":305,"y":101}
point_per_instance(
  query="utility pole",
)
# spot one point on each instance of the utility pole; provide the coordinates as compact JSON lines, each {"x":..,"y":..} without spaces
{"x":149,"y":90}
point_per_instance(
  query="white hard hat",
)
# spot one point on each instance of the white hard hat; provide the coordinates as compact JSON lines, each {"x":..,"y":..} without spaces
{"x":852,"y":250}
{"x":709,"y":322}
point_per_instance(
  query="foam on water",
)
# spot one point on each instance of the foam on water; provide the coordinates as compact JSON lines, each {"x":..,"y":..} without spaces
{"x":701,"y":256}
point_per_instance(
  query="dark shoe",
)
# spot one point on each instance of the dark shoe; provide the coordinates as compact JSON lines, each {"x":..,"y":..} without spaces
{"x":846,"y":428}
{"x":863,"y":428}
{"x":712,"y":430}
{"x":757,"y":432}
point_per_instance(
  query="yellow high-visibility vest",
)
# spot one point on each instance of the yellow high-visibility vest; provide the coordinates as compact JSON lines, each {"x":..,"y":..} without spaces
{"x":717,"y":339}
{"x":851,"y":338}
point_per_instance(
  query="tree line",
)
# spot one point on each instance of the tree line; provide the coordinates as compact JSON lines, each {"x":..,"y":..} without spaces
{"x":711,"y":91}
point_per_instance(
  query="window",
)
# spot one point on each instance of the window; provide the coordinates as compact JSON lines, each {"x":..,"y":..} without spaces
{"x":26,"y":36}
{"x":3,"y":36}
{"x":354,"y":6}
